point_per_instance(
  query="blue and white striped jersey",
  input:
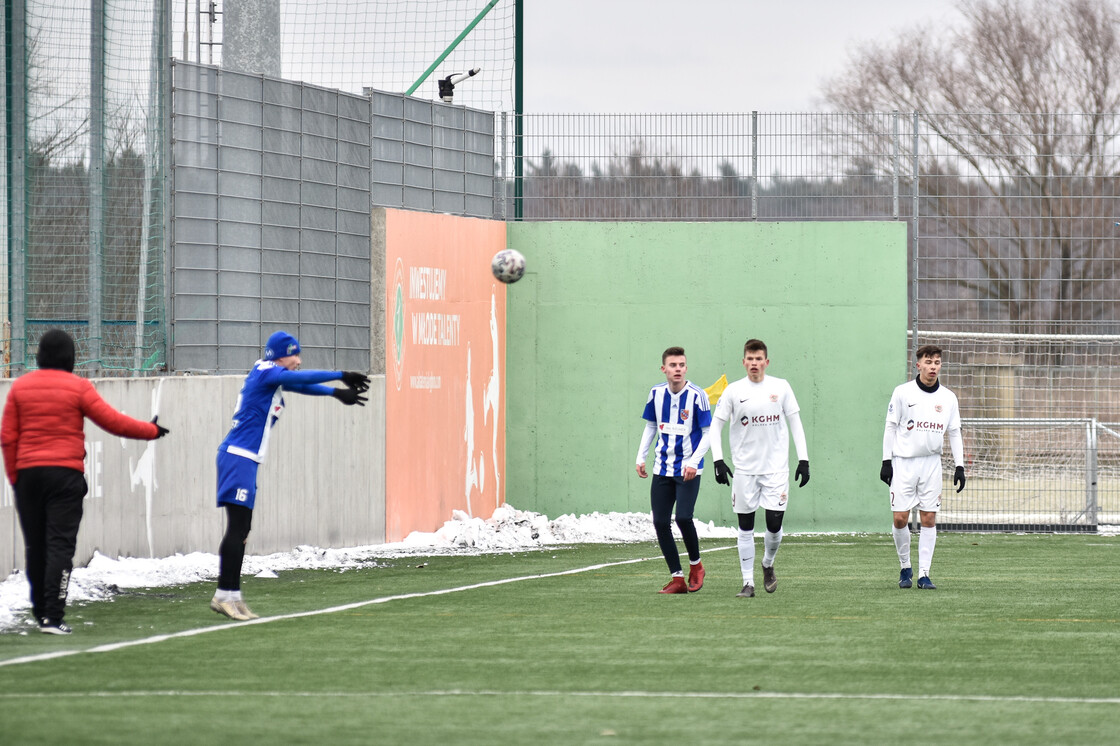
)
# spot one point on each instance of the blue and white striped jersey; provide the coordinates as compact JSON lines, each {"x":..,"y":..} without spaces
{"x":681,"y":421}
{"x":261,"y":400}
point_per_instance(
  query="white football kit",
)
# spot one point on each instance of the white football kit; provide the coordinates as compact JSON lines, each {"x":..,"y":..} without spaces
{"x":917,"y":423}
{"x":762,"y":416}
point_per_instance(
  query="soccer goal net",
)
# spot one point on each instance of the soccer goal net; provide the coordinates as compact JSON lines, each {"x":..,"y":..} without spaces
{"x":1040,"y":414}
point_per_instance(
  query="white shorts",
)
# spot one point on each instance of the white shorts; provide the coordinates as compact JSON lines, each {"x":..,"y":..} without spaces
{"x":916,"y":482}
{"x":749,"y":492}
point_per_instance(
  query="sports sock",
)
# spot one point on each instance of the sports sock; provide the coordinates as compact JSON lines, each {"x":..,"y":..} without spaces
{"x":746,"y":556}
{"x":926,"y":542}
{"x":902,"y":545}
{"x":235,"y":595}
{"x":221,"y":596}
{"x":770,"y":542}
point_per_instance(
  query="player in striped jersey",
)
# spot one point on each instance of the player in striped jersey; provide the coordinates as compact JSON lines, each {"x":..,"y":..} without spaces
{"x":921,"y":413}
{"x":763,"y":413}
{"x":678,"y":416}
{"x":258,"y":407}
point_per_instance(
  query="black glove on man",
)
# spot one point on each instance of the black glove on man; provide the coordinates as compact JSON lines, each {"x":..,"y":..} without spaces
{"x":349,"y":396}
{"x":802,"y":473}
{"x":886,"y":474}
{"x":958,"y":477}
{"x":162,"y":430}
{"x":722,"y":472}
{"x":357,"y":381}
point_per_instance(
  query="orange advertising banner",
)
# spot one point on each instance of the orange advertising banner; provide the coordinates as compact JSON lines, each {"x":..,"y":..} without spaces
{"x":445,"y":366}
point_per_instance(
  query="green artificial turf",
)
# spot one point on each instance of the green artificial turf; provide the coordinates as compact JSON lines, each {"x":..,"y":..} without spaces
{"x":1018,"y":645}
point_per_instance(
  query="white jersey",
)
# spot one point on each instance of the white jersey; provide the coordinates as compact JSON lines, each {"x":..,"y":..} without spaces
{"x":918,"y":421}
{"x":759,"y":435}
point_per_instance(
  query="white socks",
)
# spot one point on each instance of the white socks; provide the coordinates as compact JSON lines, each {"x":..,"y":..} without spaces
{"x":902,"y":545}
{"x":770,"y":542}
{"x":746,"y":556}
{"x":223,"y":596}
{"x":927,"y":539}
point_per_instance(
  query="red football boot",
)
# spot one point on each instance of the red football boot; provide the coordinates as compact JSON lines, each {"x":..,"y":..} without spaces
{"x":695,"y":577}
{"x":676,"y":585}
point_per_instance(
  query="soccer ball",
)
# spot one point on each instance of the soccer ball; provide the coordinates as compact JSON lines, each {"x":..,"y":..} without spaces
{"x":508,"y":265}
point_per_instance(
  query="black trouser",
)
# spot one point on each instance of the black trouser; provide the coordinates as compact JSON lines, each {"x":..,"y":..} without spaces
{"x":231,"y":553}
{"x":49,"y":504}
{"x":663,"y":492}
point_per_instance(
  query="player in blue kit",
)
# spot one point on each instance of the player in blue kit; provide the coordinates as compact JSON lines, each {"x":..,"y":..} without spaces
{"x":678,"y":415}
{"x":258,"y":407}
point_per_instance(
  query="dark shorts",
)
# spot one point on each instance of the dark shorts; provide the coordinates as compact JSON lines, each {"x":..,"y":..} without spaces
{"x":237,"y":480}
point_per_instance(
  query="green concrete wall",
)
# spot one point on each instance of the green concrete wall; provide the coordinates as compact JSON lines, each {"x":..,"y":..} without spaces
{"x":587,"y":324}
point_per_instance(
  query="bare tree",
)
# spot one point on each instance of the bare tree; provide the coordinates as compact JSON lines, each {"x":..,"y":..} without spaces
{"x":1018,"y":119}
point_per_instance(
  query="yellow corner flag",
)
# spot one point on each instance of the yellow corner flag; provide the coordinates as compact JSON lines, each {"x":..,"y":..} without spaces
{"x":715,"y":390}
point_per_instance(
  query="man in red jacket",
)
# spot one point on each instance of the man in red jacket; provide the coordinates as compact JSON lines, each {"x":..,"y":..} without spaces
{"x":44,"y":447}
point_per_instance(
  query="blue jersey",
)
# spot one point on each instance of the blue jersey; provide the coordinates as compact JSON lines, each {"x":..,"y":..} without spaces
{"x":681,"y":419}
{"x":261,"y":400}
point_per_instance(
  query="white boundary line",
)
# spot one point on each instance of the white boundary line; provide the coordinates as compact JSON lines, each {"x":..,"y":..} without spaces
{"x":558,"y":693}
{"x":345,"y":607}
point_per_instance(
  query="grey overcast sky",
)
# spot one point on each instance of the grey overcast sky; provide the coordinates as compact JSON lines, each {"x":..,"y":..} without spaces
{"x":667,"y":56}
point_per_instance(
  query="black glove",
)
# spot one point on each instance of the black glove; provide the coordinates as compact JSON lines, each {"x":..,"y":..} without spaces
{"x":162,"y":430}
{"x":358,"y":381}
{"x":958,"y":477}
{"x":886,"y":474}
{"x":802,"y":473}
{"x":349,"y":396}
{"x":722,"y":472}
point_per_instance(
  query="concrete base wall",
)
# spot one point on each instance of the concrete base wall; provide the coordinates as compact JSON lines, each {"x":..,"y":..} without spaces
{"x":322,"y":484}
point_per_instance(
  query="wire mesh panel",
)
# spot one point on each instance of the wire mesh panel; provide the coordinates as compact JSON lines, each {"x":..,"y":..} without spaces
{"x":733,"y":166}
{"x":1017,"y":223}
{"x":351,"y":45}
{"x":87,"y":196}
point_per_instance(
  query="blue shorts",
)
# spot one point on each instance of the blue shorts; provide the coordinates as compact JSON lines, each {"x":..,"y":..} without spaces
{"x":237,"y":480}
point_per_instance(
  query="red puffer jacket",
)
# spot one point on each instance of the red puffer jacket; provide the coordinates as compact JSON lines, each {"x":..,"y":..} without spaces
{"x":44,"y":416}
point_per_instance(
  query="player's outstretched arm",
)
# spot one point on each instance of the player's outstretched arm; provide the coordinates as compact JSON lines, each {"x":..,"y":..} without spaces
{"x":356,"y":381}
{"x":349,"y":396}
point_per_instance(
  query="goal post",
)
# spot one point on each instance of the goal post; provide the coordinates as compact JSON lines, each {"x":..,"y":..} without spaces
{"x":1041,"y":439}
{"x":1030,"y":474}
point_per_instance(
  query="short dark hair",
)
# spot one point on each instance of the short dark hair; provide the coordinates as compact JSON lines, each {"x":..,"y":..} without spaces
{"x":56,"y":351}
{"x":927,"y":351}
{"x":672,"y":352}
{"x":755,"y":345}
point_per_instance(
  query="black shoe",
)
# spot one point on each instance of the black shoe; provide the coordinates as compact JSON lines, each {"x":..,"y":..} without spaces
{"x":906,"y":577}
{"x":769,"y":580}
{"x":747,"y":592}
{"x":47,"y":627}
